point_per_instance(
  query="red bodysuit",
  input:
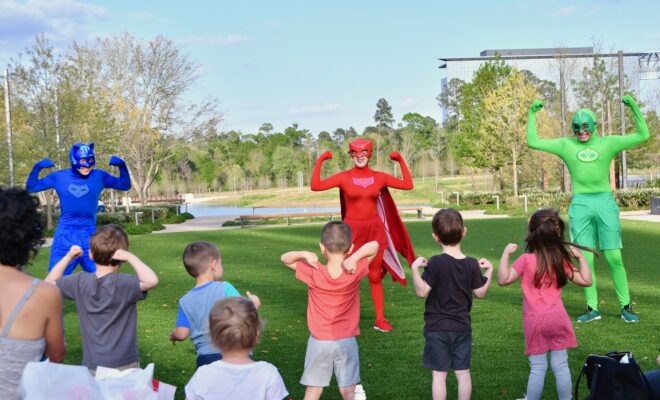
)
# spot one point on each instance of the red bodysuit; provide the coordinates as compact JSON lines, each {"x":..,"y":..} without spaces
{"x":368,"y":208}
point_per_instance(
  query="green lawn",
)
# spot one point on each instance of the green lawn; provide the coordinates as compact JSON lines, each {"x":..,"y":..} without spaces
{"x":391,"y":362}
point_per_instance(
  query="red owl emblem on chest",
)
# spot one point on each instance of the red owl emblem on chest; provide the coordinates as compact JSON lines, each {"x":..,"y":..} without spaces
{"x":363,"y":182}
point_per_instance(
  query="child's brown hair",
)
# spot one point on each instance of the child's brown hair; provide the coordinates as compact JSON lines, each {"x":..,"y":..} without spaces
{"x":448,"y":226}
{"x":545,"y":238}
{"x":197,"y":257}
{"x":336,"y":237}
{"x":105,"y":242}
{"x":234,"y":324}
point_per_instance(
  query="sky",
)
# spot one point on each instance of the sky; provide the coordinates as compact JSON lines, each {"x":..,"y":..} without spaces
{"x":325,"y":64}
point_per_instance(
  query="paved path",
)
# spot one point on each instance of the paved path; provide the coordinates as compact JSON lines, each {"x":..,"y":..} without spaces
{"x":640,"y":216}
{"x":215,"y":223}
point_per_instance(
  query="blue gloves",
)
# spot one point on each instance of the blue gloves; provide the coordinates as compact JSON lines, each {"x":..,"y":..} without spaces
{"x":114,"y":160}
{"x":45,"y":163}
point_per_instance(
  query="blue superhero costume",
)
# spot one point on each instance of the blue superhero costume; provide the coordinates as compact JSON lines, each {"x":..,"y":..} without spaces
{"x":79,"y":196}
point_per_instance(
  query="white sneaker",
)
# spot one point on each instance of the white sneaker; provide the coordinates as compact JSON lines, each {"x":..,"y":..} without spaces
{"x":359,"y":393}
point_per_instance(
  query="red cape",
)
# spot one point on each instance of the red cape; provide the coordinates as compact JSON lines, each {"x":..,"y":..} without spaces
{"x":397,"y":235}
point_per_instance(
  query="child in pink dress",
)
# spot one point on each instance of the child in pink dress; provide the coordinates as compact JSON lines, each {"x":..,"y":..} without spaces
{"x":544,"y":269}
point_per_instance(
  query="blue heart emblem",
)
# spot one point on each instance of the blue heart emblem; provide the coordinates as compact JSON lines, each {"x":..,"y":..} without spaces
{"x":78,"y":190}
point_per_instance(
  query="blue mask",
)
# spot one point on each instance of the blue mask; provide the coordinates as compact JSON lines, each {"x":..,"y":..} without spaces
{"x":82,"y":155}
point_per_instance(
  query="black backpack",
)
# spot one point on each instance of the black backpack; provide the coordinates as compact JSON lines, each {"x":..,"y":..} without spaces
{"x":609,"y":379}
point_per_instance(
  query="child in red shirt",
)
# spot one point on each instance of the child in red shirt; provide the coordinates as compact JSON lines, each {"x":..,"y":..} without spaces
{"x":333,"y":308}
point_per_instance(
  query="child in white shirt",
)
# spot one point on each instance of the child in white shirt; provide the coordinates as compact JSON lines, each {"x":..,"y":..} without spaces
{"x":235,"y":328}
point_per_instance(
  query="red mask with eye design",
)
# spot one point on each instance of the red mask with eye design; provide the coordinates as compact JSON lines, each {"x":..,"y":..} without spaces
{"x":358,"y":146}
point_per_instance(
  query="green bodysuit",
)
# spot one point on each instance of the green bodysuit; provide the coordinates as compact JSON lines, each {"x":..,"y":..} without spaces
{"x":593,"y":213}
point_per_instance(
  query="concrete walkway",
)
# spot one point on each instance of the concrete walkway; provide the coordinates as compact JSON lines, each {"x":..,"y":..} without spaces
{"x":215,"y":223}
{"x":640,"y":216}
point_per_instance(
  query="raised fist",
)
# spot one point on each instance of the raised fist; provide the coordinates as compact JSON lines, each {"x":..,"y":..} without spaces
{"x":326,"y":156}
{"x":537,"y":105}
{"x":114,"y":160}
{"x":395,"y":156}
{"x":510,"y":248}
{"x":628,"y":101}
{"x":45,"y":163}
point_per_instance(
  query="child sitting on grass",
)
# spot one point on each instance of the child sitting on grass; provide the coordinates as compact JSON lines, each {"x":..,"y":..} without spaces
{"x":106,"y":299}
{"x":202,"y":261}
{"x":235,"y":329}
{"x":333,"y":308}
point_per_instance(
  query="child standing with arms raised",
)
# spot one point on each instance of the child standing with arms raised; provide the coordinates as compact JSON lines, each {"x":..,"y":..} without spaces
{"x":544,"y":269}
{"x":448,"y":283}
{"x":333,"y":308}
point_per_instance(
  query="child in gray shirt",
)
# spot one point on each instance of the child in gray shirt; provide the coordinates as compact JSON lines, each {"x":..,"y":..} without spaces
{"x":106,"y":299}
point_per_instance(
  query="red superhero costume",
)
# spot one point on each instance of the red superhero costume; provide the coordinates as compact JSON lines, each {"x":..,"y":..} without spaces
{"x":367,"y":207}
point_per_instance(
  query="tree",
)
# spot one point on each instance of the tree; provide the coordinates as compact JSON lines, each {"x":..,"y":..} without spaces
{"x":505,"y":120}
{"x":284,"y":165}
{"x":145,"y":82}
{"x":266,"y":128}
{"x":384,"y":120}
{"x":468,"y":141}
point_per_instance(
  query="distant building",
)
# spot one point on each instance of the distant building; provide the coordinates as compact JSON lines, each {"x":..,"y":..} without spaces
{"x":545,"y":64}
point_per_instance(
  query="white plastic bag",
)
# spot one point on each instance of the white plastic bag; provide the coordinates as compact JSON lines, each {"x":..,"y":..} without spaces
{"x":129,"y":384}
{"x":53,"y":381}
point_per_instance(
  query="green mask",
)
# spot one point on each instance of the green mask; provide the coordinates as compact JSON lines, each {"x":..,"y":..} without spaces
{"x":584,"y":117}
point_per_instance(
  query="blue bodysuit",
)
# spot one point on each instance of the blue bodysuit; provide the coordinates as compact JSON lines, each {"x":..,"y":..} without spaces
{"x":79,"y":196}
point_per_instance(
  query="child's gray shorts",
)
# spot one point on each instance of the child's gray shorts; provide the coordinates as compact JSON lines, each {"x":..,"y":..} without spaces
{"x":325,"y":356}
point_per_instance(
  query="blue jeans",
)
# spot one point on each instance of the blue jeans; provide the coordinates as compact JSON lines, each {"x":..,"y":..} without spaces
{"x":205,"y":359}
{"x":654,"y":381}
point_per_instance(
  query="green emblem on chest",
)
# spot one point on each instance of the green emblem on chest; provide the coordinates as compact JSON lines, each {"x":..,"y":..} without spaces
{"x":587,"y":155}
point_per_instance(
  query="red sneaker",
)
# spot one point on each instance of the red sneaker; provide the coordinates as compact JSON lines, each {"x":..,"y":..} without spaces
{"x":383,"y":326}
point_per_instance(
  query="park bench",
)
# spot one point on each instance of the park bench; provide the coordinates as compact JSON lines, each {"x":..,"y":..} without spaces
{"x":330,"y":215}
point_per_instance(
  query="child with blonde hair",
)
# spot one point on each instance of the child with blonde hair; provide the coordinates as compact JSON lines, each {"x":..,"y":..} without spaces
{"x":235,"y":329}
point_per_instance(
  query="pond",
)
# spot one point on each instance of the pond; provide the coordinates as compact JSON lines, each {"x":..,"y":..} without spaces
{"x":214,"y":210}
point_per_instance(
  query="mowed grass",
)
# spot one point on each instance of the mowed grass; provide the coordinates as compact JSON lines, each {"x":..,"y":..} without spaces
{"x":390,"y":363}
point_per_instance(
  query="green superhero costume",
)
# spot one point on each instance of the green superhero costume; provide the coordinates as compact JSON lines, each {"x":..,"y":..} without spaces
{"x":593,"y":213}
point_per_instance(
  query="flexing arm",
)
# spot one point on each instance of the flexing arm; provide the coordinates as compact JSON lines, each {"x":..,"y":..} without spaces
{"x":58,"y":269}
{"x":406,"y":182}
{"x":34,"y":184}
{"x":319,"y":184}
{"x":505,"y":274}
{"x":148,"y":278}
{"x":480,"y":293}
{"x":368,"y":251}
{"x":583,"y":277}
{"x":422,"y":288}
{"x":553,"y":146}
{"x":291,"y":258}
{"x":641,"y":133}
{"x":123,"y":181}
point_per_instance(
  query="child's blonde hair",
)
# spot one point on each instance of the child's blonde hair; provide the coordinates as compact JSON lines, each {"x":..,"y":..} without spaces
{"x":234,"y":324}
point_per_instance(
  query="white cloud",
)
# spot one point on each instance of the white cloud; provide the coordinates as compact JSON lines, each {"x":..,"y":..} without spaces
{"x":326,"y":108}
{"x":60,"y":20}
{"x":219,"y":41}
{"x":565,"y":12}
